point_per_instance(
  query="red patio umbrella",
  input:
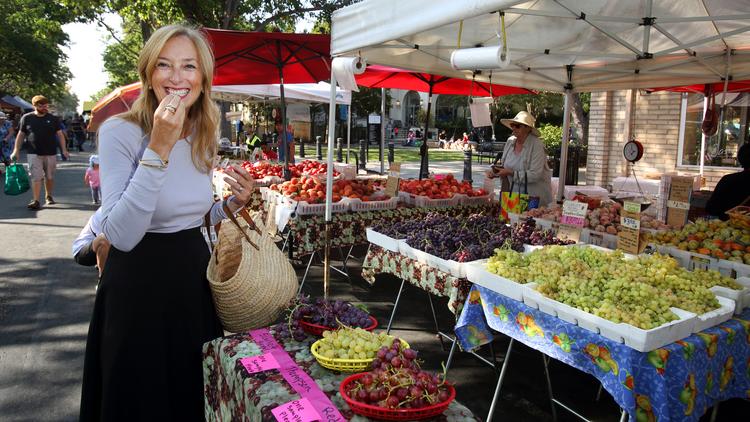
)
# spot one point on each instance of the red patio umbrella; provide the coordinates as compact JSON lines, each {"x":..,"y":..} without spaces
{"x":116,"y":102}
{"x":376,"y":76}
{"x":247,"y":58}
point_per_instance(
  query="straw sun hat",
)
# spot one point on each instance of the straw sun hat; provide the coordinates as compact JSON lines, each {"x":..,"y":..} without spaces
{"x":523,"y":118}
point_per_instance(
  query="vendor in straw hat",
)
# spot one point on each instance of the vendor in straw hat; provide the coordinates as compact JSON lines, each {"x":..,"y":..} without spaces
{"x":524,"y":160}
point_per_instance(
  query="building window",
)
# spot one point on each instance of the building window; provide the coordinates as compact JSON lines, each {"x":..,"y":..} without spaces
{"x":721,"y":149}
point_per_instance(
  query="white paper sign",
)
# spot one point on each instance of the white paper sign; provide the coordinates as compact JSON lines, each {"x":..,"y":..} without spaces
{"x":480,"y":115}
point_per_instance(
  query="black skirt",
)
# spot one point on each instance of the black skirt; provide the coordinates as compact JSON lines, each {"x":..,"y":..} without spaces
{"x":152,"y":314}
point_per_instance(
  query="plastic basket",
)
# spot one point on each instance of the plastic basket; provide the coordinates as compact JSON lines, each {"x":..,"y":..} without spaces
{"x":462,"y":199}
{"x":381,"y":413}
{"x":344,"y":365}
{"x":317,"y":330}
{"x":407,"y":198}
{"x":358,"y":205}
{"x":739,"y":217}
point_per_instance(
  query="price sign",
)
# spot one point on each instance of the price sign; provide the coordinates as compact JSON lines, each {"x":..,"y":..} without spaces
{"x":630,"y":233}
{"x":572,"y":220}
{"x":260,"y":363}
{"x":699,"y":263}
{"x":391,"y":184}
{"x":296,"y":411}
{"x":678,"y":202}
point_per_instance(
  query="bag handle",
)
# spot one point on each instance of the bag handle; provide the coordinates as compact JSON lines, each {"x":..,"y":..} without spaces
{"x":237,"y":223}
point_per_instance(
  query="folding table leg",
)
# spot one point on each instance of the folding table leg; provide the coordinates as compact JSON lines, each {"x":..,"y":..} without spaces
{"x":552,"y":400}
{"x":715,"y":412}
{"x":395,"y":306}
{"x":434,"y":319}
{"x":450,"y":355}
{"x":623,"y":415}
{"x":499,"y":385}
{"x":304,"y":277}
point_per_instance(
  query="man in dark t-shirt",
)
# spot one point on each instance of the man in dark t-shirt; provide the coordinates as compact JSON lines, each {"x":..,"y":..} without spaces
{"x":733,"y":189}
{"x":42,"y":134}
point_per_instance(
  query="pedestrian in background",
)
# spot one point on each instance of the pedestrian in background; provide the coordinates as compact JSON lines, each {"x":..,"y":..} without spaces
{"x":43,"y":135}
{"x":6,"y":139}
{"x":91,"y":178}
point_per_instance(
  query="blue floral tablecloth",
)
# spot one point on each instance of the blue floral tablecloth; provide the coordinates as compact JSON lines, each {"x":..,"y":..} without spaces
{"x":677,"y":382}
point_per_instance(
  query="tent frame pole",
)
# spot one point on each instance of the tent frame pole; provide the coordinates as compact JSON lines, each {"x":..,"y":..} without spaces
{"x":329,"y":187}
{"x":348,"y":130}
{"x":564,"y":146}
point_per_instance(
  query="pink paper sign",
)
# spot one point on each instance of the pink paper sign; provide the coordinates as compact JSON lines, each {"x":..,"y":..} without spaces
{"x":260,"y":363}
{"x":296,"y":411}
{"x":572,"y":220}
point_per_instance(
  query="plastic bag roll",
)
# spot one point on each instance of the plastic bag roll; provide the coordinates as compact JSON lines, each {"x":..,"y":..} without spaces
{"x":480,"y":58}
{"x":345,"y":68}
{"x":481,"y":100}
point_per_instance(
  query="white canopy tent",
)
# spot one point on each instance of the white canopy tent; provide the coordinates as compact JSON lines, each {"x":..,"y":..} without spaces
{"x":316,"y":93}
{"x":557,"y":45}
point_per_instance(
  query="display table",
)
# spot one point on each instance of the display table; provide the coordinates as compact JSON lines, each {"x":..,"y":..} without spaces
{"x":677,"y":382}
{"x":348,"y":228}
{"x":233,"y":394}
{"x":427,"y":278}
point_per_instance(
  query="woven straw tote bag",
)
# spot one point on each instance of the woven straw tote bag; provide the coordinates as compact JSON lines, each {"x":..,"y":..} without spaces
{"x":251,"y":280}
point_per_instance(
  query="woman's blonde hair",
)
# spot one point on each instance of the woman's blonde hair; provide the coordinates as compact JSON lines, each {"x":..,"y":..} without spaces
{"x":203,"y":113}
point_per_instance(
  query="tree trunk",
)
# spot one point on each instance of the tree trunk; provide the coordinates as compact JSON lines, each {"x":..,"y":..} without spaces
{"x":230,"y":13}
{"x":581,"y":119}
{"x":145,"y":30}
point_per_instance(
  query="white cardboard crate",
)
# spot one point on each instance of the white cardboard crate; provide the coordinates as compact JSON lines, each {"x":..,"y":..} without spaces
{"x":385,"y":242}
{"x":536,"y":300}
{"x":454,"y":268}
{"x":407,"y":251}
{"x":305,"y":208}
{"x":462,"y":199}
{"x":715,"y":317}
{"x":476,"y":272}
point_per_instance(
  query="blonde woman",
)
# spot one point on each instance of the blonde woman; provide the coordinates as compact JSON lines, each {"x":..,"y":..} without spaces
{"x":153,"y":308}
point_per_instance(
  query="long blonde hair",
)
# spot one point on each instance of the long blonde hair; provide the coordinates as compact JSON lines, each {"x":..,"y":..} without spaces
{"x":203,"y":113}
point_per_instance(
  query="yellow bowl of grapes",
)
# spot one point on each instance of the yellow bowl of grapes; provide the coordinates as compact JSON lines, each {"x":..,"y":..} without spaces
{"x":336,"y":352}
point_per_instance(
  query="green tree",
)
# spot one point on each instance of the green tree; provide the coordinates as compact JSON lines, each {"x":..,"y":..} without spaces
{"x":367,"y":101}
{"x":31,"y":41}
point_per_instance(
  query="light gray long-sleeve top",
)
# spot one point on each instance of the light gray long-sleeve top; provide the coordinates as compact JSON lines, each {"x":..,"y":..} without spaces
{"x":530,"y":164}
{"x":139,"y":199}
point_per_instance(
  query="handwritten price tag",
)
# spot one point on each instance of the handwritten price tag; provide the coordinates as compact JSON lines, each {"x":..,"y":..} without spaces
{"x":296,"y":411}
{"x":631,"y":223}
{"x":260,"y":363}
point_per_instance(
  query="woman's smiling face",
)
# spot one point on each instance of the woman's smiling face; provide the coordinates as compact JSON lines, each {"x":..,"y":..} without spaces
{"x":178,"y":71}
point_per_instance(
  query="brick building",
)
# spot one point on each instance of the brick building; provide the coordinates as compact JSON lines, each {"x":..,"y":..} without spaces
{"x":668,"y":125}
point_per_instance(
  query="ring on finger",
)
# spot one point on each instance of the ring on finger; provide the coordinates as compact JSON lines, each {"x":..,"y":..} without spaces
{"x":169,"y":107}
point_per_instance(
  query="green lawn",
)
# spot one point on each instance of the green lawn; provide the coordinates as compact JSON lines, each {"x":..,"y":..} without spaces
{"x":402,"y":155}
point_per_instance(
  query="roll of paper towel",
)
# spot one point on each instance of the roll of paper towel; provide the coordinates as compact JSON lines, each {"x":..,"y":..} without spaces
{"x":344,"y":68}
{"x":480,"y":58}
{"x":480,"y":100}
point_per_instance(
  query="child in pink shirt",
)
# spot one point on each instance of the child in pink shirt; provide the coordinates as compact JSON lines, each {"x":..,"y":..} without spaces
{"x":92,"y":179}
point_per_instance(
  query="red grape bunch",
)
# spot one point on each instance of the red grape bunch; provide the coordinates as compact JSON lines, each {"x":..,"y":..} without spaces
{"x":397,"y":382}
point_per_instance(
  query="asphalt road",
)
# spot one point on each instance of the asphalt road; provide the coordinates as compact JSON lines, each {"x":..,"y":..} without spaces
{"x":45,"y":301}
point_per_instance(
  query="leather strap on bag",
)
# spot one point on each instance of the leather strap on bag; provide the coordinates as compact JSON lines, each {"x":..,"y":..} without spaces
{"x":237,"y":223}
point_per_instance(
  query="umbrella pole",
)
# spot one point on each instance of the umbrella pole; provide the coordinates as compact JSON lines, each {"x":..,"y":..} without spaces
{"x":425,"y":161}
{"x":382,"y":129}
{"x":329,"y":187}
{"x":284,"y":141}
{"x":703,"y":139}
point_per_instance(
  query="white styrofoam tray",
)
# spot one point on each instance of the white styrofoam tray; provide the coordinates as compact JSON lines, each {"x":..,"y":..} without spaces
{"x":715,"y":317}
{"x":740,"y":297}
{"x":476,"y":272}
{"x":385,"y":242}
{"x":636,"y":338}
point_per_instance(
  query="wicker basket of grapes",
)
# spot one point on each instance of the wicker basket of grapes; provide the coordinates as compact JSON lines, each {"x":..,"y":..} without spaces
{"x":397,"y":389}
{"x":739,"y":217}
{"x":350,"y":349}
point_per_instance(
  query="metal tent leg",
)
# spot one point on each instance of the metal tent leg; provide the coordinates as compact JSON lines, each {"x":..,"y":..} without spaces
{"x":715,"y":412}
{"x":623,"y":415}
{"x":450,"y":355}
{"x":395,"y":306}
{"x":499,"y":385}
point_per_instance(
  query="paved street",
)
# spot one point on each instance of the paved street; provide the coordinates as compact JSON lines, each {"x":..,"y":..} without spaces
{"x":45,"y":301}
